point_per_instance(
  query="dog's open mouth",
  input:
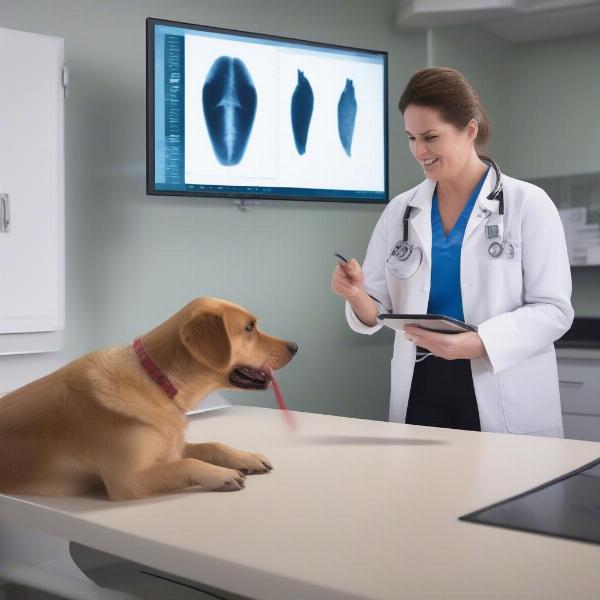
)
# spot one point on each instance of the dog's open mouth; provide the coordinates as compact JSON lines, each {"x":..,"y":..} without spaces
{"x":249,"y":378}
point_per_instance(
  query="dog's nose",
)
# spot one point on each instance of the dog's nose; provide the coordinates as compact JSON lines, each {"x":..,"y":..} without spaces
{"x":293,"y":348}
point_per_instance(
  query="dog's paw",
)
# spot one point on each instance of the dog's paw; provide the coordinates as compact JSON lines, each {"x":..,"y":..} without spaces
{"x":248,"y":462}
{"x":220,"y":479}
{"x":232,"y":458}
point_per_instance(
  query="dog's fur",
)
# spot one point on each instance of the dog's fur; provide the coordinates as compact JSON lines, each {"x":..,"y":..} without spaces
{"x":102,"y":423}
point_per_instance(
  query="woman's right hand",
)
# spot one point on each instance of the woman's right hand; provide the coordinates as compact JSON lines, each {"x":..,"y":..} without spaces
{"x":348,"y":279}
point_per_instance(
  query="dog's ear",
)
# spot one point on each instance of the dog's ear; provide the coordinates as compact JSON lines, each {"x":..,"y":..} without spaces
{"x":206,"y":338}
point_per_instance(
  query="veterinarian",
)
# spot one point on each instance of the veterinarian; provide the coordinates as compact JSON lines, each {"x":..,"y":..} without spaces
{"x":471,"y":243}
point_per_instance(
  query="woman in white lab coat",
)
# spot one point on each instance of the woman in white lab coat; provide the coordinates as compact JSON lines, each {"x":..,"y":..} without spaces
{"x":502,"y":378}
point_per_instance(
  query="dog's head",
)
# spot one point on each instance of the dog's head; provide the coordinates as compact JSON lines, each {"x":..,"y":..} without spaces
{"x":225,"y":339}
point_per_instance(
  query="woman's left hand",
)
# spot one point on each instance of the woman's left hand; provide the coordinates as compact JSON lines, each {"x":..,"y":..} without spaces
{"x":450,"y":346}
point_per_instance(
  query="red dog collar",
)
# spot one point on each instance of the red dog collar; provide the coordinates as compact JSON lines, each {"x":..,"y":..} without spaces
{"x":153,"y":370}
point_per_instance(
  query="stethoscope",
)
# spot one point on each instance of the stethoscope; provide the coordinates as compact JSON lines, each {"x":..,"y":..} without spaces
{"x":405,"y":258}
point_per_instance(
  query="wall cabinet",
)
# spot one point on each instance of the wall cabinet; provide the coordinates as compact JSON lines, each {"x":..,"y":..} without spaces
{"x":32,"y":256}
{"x":577,"y":198}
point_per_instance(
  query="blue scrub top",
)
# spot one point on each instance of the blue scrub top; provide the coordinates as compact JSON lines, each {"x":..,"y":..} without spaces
{"x":445,"y":297}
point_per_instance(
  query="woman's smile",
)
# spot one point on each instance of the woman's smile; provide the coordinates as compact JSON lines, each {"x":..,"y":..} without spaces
{"x":430,"y":163}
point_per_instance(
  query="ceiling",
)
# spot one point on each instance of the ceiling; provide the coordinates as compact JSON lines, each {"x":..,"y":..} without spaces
{"x":517,"y":21}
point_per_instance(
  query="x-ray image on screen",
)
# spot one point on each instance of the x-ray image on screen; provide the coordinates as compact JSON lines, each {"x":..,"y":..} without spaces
{"x":248,"y":115}
{"x":347,"y":116}
{"x":228,"y":126}
{"x":229,"y":101}
{"x":334,"y":142}
{"x":302,"y":108}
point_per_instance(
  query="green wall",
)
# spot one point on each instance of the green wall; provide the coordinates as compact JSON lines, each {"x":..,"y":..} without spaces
{"x":133,"y":260}
{"x":543,"y":99}
{"x":486,"y":61}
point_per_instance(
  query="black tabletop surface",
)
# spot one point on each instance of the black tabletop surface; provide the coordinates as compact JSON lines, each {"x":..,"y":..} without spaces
{"x":584,"y":333}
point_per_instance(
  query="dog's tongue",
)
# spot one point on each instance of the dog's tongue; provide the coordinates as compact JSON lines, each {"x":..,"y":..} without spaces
{"x":288,"y":416}
{"x":267,"y":371}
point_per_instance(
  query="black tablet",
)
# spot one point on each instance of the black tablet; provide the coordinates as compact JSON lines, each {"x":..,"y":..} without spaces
{"x":438,"y":323}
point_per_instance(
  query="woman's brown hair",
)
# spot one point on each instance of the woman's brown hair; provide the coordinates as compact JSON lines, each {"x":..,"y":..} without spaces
{"x":452,"y":94}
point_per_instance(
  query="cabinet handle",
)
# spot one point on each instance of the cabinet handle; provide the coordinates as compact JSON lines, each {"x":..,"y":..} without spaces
{"x":571,"y":383}
{"x":4,"y":213}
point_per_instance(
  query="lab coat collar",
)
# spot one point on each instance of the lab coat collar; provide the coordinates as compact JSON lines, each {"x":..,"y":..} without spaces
{"x":421,"y":199}
{"x":421,"y":221}
{"x":484,"y":207}
{"x":423,"y":194}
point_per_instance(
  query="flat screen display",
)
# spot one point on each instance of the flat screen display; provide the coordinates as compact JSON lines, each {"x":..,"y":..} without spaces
{"x":247,"y":115}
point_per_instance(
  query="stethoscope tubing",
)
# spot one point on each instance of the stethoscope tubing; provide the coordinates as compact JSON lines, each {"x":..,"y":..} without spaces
{"x":403,"y":250}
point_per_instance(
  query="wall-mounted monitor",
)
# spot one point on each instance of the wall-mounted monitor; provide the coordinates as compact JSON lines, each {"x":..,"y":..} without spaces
{"x":247,"y":115}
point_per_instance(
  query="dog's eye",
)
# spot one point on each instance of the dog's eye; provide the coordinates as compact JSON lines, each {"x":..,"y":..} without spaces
{"x":250,"y":326}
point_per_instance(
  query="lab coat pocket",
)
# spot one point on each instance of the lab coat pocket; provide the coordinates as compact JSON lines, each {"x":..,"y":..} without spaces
{"x":509,"y":265}
{"x":530,"y":396}
{"x":503,"y":279}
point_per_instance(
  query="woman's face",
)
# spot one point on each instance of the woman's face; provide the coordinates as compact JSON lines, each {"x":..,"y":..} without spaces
{"x":440,"y":148}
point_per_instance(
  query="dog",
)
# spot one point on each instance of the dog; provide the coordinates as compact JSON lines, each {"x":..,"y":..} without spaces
{"x":113,"y":421}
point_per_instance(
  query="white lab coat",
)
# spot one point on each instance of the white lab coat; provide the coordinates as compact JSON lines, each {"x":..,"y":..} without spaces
{"x":520,"y":305}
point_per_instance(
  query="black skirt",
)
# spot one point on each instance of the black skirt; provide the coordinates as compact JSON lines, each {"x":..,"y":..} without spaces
{"x":442,"y":394}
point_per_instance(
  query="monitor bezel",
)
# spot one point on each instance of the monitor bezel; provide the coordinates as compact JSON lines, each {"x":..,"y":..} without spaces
{"x":151,"y":190}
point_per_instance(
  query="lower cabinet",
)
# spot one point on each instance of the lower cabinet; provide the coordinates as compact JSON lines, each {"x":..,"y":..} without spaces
{"x":579,"y":380}
{"x":582,"y":427}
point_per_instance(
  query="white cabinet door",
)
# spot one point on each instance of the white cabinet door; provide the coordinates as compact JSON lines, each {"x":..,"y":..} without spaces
{"x":582,"y":427}
{"x":579,"y":381}
{"x":32,"y":177}
{"x":579,"y":386}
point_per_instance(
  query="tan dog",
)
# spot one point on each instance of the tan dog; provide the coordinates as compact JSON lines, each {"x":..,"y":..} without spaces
{"x":115,"y":419}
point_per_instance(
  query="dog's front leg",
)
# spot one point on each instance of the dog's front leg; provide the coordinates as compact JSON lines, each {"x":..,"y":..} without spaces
{"x":168,"y":477}
{"x":226,"y":456}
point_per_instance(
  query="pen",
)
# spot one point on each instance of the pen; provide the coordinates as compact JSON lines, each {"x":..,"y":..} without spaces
{"x":341,"y":257}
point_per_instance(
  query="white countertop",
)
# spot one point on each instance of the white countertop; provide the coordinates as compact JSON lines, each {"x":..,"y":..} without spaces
{"x":353,"y":509}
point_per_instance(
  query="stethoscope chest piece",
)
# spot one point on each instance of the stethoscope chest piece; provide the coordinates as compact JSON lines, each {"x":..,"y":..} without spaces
{"x":404,"y":260}
{"x":495,"y":249}
{"x":402,"y":251}
{"x":507,"y":248}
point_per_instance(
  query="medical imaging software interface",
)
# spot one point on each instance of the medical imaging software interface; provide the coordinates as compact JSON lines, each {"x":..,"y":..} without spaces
{"x":237,"y":114}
